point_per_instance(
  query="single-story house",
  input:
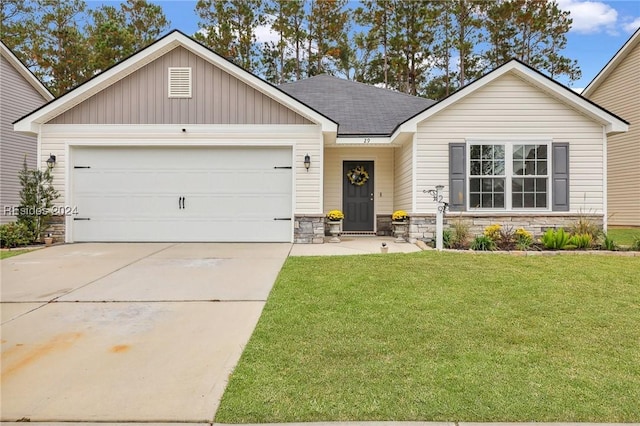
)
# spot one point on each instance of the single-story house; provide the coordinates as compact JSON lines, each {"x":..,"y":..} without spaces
{"x":20,"y":93}
{"x":176,"y":143}
{"x":617,"y":88}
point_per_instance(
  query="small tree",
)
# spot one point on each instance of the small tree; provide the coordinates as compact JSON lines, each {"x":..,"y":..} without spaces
{"x":36,"y":199}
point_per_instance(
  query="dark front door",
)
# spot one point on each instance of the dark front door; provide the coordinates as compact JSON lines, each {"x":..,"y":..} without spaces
{"x":357,"y":195}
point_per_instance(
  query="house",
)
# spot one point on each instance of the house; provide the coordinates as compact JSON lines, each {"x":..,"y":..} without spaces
{"x":617,"y":88}
{"x":20,"y":93}
{"x":176,"y":143}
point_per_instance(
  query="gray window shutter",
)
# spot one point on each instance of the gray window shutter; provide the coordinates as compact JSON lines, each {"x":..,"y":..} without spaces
{"x":457,"y":177}
{"x":560,"y":177}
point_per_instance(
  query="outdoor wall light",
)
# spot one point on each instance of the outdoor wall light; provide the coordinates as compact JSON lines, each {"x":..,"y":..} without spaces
{"x":51,"y":161}
{"x":307,"y":162}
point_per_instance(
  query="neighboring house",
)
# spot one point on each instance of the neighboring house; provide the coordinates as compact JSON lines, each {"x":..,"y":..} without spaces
{"x":617,"y":88}
{"x":178,"y":144}
{"x":20,"y":93}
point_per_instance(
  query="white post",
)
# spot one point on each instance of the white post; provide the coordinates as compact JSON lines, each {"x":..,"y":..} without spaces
{"x":439,"y":216}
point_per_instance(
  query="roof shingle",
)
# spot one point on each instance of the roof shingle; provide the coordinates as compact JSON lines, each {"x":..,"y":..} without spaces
{"x":358,"y":108}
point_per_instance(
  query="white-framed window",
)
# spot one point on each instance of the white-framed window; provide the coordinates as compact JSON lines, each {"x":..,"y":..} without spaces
{"x":508,"y":175}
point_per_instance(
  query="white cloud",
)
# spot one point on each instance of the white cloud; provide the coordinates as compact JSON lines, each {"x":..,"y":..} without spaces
{"x":591,"y":16}
{"x":631,"y":26}
{"x":266,"y":34}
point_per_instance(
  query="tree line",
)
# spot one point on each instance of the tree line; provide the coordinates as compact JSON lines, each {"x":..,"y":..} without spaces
{"x":426,"y":48}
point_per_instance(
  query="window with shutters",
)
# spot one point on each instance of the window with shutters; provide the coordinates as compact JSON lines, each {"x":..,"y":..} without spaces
{"x":179,"y":82}
{"x":508,"y":175}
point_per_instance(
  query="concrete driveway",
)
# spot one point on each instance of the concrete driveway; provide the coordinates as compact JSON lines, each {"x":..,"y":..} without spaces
{"x":128,"y":332}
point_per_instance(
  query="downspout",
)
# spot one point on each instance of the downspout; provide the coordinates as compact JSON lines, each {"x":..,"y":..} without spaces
{"x":605,"y":190}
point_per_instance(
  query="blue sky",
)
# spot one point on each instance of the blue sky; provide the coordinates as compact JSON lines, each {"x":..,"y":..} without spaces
{"x":600,"y":28}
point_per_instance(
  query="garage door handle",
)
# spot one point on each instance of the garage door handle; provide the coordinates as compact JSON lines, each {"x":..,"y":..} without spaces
{"x":281,"y":218}
{"x":180,"y":202}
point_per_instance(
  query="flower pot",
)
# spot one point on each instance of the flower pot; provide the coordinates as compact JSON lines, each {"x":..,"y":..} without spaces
{"x":48,"y":241}
{"x":400,"y":230}
{"x":334,"y":230}
{"x":384,"y":249}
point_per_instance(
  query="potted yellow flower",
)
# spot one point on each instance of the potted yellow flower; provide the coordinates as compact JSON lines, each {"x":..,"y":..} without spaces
{"x":399,"y":220}
{"x":334,"y":219}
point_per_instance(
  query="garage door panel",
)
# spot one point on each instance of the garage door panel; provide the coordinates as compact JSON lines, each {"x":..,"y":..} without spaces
{"x":230,"y":194}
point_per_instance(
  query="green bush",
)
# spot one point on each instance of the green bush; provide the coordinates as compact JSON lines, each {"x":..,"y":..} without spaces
{"x":460,"y":234}
{"x":447,"y":238}
{"x":555,"y":240}
{"x":608,"y":243}
{"x":636,"y":243}
{"x":483,"y":243}
{"x":14,"y":234}
{"x":581,"y":241}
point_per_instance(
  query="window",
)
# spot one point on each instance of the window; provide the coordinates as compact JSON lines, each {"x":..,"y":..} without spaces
{"x":507,"y":176}
{"x":179,"y":82}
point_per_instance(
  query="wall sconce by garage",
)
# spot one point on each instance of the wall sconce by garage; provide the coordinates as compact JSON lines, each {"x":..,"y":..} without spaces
{"x":51,"y":161}
{"x":307,"y":162}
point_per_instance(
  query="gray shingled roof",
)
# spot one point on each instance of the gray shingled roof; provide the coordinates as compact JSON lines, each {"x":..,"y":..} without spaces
{"x":358,"y":108}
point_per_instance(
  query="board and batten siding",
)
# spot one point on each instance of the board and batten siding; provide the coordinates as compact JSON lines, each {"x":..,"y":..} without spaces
{"x":620,"y":94}
{"x":60,"y":139}
{"x":509,"y":107}
{"x":142,"y":98}
{"x":383,"y":160}
{"x":403,"y":177}
{"x":17,"y":98}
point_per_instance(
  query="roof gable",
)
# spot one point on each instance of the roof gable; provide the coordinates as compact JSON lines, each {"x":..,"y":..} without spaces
{"x":620,"y":56}
{"x":360,"y":109}
{"x":25,"y":72}
{"x":174,"y":39}
{"x":612,"y":123}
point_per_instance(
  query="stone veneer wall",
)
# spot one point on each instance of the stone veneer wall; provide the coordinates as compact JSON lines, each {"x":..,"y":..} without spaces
{"x":308,"y":229}
{"x":383,"y":225}
{"x":423,"y":227}
{"x":57,"y":229}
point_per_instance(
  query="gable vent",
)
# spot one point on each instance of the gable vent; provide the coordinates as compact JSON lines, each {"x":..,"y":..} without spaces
{"x":180,"y":82}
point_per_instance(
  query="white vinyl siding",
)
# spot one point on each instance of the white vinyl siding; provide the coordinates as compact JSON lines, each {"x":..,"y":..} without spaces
{"x":383,"y":176}
{"x":507,"y":109}
{"x":403,"y":178}
{"x":57,"y":139}
{"x":620,"y":94}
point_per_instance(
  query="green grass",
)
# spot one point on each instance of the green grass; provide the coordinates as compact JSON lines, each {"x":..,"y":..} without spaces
{"x":10,"y":253}
{"x":623,"y":236}
{"x":444,"y":337}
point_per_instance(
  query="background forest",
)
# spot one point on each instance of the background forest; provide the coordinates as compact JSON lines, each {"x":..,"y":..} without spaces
{"x":424,"y":48}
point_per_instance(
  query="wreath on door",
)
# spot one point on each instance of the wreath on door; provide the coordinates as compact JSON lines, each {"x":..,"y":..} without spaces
{"x":358,"y":176}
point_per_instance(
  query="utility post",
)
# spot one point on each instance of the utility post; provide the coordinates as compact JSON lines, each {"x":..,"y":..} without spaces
{"x":441,"y":208}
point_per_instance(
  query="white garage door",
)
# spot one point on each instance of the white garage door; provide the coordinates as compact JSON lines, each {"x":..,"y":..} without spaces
{"x":182,"y":194}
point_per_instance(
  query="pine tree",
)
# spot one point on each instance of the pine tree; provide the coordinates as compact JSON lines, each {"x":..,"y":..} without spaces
{"x":328,"y":22}
{"x":229,"y":26}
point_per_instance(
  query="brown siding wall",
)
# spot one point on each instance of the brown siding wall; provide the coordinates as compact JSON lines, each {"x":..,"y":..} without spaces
{"x":142,"y":98}
{"x":620,"y":94}
{"x":17,"y":98}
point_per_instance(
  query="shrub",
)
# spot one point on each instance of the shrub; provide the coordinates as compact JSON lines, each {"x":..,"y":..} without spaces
{"x":581,"y":241}
{"x":399,"y":215}
{"x":460,"y":234}
{"x":583,"y":226}
{"x":635,"y":245}
{"x":555,"y":240}
{"x":483,"y":243}
{"x":334,"y":215}
{"x":507,"y":238}
{"x":524,"y":239}
{"x":36,"y":200}
{"x":608,"y":243}
{"x":15,"y":234}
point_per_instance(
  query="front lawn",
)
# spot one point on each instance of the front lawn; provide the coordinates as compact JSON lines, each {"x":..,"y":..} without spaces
{"x":624,"y":236}
{"x":444,"y":337}
{"x":10,"y":253}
